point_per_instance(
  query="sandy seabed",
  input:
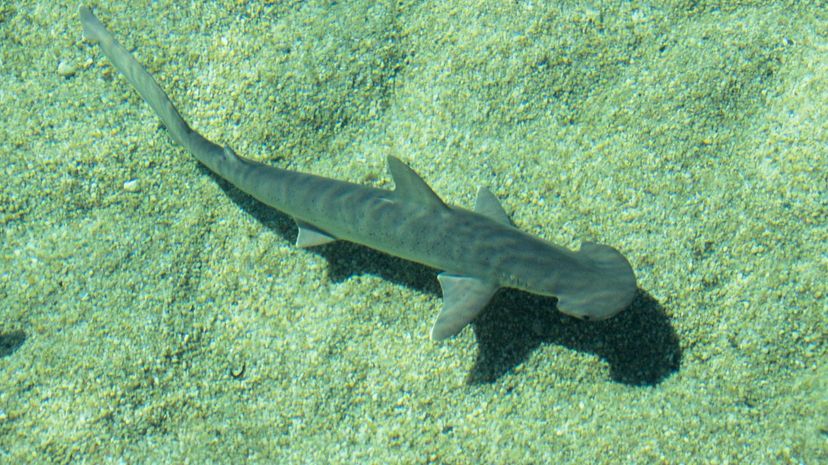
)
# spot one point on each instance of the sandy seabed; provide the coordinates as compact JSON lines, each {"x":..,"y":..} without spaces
{"x":152,"y":313}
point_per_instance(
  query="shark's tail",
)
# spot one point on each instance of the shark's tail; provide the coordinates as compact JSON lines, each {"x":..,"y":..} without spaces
{"x":212,"y":155}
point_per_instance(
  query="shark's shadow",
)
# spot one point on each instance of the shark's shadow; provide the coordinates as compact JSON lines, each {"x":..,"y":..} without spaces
{"x":11,"y":341}
{"x":639,"y":344}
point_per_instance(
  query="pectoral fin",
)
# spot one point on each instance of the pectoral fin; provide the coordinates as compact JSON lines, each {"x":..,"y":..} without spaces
{"x":310,"y":235}
{"x":464,"y":298}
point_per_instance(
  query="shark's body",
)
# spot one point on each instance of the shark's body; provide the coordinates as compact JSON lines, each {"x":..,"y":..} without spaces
{"x":478,"y":251}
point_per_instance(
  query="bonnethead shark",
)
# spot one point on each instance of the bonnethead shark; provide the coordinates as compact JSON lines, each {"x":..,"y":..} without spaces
{"x":477,"y":252}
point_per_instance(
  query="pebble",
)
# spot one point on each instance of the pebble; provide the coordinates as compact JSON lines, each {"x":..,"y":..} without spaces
{"x":133,"y":185}
{"x":66,"y":69}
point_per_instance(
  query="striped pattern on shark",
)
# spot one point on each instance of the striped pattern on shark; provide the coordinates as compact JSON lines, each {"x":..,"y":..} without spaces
{"x":477,"y":251}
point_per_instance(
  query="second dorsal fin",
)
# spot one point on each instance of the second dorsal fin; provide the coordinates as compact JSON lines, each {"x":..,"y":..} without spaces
{"x":409,"y":186}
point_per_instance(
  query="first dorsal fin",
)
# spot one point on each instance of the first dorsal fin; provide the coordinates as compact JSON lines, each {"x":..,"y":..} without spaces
{"x":409,"y":186}
{"x":488,"y":206}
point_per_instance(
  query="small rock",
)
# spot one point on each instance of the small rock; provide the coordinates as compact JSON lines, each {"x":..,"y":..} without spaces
{"x":132,"y":185}
{"x":66,"y":69}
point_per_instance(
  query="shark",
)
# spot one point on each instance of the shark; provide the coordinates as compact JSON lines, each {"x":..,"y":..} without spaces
{"x":477,"y":251}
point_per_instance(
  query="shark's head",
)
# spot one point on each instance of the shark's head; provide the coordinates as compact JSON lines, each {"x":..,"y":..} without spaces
{"x":600,"y":288}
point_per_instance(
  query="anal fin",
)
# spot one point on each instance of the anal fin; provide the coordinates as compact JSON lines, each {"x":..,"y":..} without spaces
{"x":310,"y":235}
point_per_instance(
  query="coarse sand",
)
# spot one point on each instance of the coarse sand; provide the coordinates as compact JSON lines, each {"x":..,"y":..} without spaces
{"x":151,"y":313}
